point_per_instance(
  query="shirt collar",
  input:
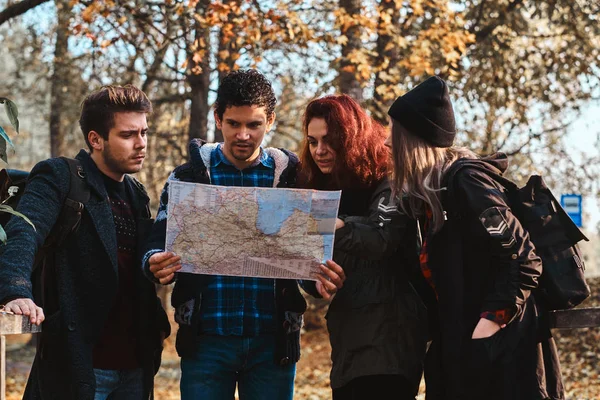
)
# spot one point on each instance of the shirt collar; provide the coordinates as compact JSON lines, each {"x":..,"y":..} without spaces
{"x":263,"y":158}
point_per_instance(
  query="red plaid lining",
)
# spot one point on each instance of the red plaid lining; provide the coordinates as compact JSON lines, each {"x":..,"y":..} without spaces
{"x":501,"y":317}
{"x":423,"y":256}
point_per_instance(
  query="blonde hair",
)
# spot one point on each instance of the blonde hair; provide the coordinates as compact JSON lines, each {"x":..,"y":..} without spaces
{"x":418,"y":171}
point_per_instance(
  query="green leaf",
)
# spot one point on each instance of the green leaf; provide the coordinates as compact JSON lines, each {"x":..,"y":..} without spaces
{"x":9,"y":209}
{"x":13,"y":113}
{"x":3,"y":155}
{"x":2,"y":235}
{"x":4,"y":135}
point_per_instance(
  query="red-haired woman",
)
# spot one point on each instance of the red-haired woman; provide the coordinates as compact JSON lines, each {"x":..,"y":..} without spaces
{"x":376,"y":321}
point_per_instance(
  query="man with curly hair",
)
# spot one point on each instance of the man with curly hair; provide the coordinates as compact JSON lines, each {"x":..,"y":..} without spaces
{"x":235,"y":331}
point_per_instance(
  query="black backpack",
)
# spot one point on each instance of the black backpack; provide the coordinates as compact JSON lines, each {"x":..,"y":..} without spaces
{"x":555,"y":236}
{"x":12,"y":186}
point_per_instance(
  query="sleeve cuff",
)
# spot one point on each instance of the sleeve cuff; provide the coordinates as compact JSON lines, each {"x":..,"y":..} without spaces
{"x":146,"y":265}
{"x":501,"y":317}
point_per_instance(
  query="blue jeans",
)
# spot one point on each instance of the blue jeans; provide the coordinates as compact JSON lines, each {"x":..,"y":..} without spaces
{"x":124,"y":384}
{"x":221,"y":362}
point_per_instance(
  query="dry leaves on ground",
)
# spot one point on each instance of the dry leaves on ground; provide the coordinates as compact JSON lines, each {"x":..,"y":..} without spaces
{"x":578,"y":350}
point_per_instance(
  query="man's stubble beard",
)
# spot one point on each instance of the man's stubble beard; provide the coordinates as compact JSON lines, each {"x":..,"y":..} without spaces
{"x":114,"y":165}
{"x":241,"y":157}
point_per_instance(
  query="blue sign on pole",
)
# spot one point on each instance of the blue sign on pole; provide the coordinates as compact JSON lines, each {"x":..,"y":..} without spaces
{"x":572,"y":205}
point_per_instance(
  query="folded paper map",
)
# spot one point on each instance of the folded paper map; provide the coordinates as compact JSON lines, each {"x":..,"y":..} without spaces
{"x":251,"y":231}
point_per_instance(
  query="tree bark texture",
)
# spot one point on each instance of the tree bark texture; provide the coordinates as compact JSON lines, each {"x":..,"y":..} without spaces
{"x":348,"y":83}
{"x":59,"y":90}
{"x":385,"y":50}
{"x":199,"y":79}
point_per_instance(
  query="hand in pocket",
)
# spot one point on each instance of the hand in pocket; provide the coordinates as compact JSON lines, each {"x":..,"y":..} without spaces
{"x":485,"y":328}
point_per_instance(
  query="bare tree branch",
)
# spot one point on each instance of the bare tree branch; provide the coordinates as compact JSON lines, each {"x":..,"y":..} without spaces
{"x":535,"y":136}
{"x":18,"y":8}
{"x":174,"y":143}
{"x":176,"y":98}
{"x":480,"y":12}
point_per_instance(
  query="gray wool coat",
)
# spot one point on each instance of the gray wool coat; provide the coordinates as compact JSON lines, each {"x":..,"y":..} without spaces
{"x":85,"y":279}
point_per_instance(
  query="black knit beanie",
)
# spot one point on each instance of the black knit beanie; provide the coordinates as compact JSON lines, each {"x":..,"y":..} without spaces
{"x":426,"y":111}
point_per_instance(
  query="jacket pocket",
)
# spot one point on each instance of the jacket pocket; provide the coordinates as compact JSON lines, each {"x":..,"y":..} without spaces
{"x":187,"y":315}
{"x":50,"y":336}
{"x":54,"y":376}
{"x":184,"y":313}
{"x":489,"y":349}
{"x":51,"y":324}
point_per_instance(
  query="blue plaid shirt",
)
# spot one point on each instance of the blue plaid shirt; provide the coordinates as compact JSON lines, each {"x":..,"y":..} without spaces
{"x":239,"y":305}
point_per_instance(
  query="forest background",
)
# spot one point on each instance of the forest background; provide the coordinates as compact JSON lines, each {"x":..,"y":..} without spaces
{"x":524,"y":74}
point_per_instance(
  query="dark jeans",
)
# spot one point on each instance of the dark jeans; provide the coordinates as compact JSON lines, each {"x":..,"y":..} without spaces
{"x":373,"y":387}
{"x":123,"y":384}
{"x":222,"y":362}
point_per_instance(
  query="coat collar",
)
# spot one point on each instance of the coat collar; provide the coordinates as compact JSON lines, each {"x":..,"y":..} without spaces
{"x":93,"y":177}
{"x":200,"y":154}
{"x":497,"y":160}
{"x":99,"y":209}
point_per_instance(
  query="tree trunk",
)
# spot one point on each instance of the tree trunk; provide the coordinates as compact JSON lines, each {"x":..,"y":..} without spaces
{"x":348,"y":83}
{"x":199,"y":77}
{"x":59,"y":91}
{"x":487,"y":147}
{"x":386,"y":51}
{"x":226,"y":61}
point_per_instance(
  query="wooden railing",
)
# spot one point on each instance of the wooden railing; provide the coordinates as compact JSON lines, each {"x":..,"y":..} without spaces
{"x":11,"y":324}
{"x":575,"y":318}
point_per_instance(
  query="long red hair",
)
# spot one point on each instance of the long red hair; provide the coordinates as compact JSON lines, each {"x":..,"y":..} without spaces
{"x":358,"y":140}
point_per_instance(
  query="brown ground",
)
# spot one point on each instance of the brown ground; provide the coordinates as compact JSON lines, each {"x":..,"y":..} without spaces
{"x":579,"y":354}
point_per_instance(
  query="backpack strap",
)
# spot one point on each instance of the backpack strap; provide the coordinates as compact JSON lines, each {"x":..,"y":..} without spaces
{"x":44,"y":274}
{"x":199,"y":169}
{"x":79,"y":194}
{"x":70,"y":215}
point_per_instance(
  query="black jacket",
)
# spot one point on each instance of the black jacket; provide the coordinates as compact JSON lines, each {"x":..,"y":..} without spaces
{"x":377,"y":323}
{"x":482,"y":260}
{"x":86,"y":280}
{"x":187,"y":293}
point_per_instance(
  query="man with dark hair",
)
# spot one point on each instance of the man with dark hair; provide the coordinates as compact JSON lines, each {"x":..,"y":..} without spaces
{"x":99,"y":108}
{"x":103,"y":324}
{"x":236,"y":331}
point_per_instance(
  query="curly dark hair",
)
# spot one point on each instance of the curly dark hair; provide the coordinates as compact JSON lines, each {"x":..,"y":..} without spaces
{"x":357,"y":139}
{"x":245,"y":88}
{"x":99,"y":107}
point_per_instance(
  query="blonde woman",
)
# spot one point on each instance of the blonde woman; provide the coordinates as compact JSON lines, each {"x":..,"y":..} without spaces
{"x":489,"y":339}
